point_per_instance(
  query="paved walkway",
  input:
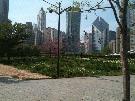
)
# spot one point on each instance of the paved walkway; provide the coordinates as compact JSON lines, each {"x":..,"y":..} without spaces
{"x":72,"y":89}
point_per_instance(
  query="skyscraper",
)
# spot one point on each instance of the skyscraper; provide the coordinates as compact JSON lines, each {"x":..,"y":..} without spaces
{"x":40,"y":29}
{"x":100,"y":31}
{"x":112,"y":41}
{"x":118,"y":40}
{"x":38,"y":36}
{"x":73,"y":20}
{"x":41,"y":18}
{"x":29,"y":30}
{"x":88,"y":42}
{"x":112,"y":35}
{"x":131,"y":30}
{"x":4,"y":8}
{"x":131,"y":26}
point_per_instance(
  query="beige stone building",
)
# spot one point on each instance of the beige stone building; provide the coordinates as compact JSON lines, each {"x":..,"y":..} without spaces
{"x":112,"y":46}
{"x":88,"y":43}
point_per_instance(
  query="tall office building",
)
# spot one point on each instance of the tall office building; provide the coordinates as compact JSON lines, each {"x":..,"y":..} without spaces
{"x":40,"y":28}
{"x":41,"y":18}
{"x":38,"y":39}
{"x":4,"y":8}
{"x":112,"y":35}
{"x":88,"y":42}
{"x":100,"y":31}
{"x":131,"y":26}
{"x":52,"y":34}
{"x":73,"y":20}
{"x":131,"y":32}
{"x":50,"y":45}
{"x":29,"y":30}
{"x":118,"y":40}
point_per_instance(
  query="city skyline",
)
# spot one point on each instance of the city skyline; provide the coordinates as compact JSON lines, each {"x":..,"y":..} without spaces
{"x":21,"y":11}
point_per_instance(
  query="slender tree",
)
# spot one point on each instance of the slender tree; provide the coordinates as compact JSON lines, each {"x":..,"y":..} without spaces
{"x":121,"y":19}
{"x":122,"y":22}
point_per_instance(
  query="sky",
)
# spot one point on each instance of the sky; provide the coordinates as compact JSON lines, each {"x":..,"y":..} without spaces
{"x":23,"y":11}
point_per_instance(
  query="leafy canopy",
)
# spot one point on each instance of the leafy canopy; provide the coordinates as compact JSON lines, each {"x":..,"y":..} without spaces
{"x":11,"y":36}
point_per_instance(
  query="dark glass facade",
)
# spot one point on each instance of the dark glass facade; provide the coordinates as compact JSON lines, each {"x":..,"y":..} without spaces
{"x":73,"y":20}
{"x":4,"y":9}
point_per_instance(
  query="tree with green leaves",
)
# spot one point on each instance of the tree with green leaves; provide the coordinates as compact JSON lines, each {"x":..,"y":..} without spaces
{"x":11,"y":36}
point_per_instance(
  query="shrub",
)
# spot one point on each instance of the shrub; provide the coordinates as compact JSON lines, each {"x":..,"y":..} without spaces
{"x":72,"y":66}
{"x":26,"y":50}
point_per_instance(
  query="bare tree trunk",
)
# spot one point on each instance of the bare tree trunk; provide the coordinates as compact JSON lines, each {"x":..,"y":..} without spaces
{"x":125,"y":66}
{"x":124,"y":49}
{"x":122,"y":22}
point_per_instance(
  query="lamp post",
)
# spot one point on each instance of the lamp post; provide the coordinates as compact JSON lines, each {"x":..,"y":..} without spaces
{"x":59,"y":12}
{"x":58,"y":58}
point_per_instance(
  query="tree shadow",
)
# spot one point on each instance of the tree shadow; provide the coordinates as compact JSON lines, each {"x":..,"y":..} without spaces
{"x":9,"y":80}
{"x":101,"y":78}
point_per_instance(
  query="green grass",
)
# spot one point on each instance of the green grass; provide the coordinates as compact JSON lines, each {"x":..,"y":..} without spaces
{"x":71,"y":66}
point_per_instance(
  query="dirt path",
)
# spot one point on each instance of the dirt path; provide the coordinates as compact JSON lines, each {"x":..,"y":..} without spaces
{"x":20,"y":74}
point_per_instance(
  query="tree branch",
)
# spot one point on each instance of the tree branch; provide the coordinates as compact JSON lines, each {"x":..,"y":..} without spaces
{"x":94,"y":9}
{"x":117,"y":2}
{"x":97,"y":5}
{"x":115,"y":14}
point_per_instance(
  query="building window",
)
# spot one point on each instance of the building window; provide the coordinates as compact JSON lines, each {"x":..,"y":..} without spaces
{"x":132,"y":40}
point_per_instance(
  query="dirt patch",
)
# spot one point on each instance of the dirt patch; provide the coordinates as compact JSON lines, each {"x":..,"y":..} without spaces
{"x":20,"y":74}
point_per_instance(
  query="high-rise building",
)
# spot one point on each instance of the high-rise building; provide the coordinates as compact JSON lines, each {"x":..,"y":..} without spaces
{"x":38,"y":39}
{"x":112,"y":46}
{"x":73,"y":20}
{"x":4,"y":8}
{"x":40,"y":28}
{"x":29,"y":30}
{"x":52,"y":34}
{"x":118,"y":40}
{"x":88,"y":42}
{"x":112,"y":35}
{"x":131,"y":26}
{"x":41,"y":18}
{"x":51,"y":41}
{"x":112,"y":41}
{"x":100,"y":31}
{"x":131,"y":31}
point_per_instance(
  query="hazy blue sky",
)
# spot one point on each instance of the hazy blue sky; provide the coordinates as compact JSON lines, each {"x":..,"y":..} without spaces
{"x":26,"y":11}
